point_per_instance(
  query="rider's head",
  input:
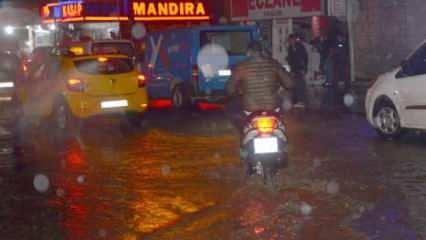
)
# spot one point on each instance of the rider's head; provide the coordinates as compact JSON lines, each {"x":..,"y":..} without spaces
{"x":254,"y":49}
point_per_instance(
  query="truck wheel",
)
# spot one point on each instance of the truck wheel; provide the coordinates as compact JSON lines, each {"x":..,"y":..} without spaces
{"x":179,"y":98}
{"x":388,"y":121}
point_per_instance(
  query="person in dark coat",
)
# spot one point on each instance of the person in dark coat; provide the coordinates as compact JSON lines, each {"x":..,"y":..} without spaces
{"x":297,"y":58}
{"x":258,"y":80}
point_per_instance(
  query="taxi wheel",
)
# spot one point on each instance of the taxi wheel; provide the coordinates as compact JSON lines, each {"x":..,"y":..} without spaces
{"x":64,"y":122}
{"x":135,"y":119}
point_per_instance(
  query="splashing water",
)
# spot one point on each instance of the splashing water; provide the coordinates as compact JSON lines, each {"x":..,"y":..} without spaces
{"x":211,"y":59}
{"x":332,"y":187}
{"x":41,"y":183}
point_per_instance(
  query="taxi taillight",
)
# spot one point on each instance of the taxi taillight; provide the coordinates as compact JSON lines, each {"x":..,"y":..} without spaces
{"x":141,"y":81}
{"x":75,"y":85}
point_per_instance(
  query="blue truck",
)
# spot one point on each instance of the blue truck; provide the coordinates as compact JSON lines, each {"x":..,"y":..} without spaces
{"x":187,"y":65}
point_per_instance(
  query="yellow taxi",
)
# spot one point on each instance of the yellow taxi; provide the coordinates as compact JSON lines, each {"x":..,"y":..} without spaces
{"x":68,"y":89}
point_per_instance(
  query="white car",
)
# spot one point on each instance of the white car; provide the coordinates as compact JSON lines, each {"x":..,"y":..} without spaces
{"x":397,"y":99}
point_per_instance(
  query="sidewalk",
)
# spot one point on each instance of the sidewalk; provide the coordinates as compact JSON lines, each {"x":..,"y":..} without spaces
{"x":317,"y":92}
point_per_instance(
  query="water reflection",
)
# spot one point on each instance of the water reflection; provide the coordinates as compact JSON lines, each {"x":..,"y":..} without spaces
{"x":127,"y":190}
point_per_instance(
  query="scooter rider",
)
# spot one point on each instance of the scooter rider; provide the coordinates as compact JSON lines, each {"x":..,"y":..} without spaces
{"x":258,"y":80}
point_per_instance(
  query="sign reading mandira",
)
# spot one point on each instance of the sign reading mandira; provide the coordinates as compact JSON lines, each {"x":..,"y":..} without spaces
{"x":169,"y":10}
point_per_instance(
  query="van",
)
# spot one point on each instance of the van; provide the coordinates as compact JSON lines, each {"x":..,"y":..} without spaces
{"x":189,"y":65}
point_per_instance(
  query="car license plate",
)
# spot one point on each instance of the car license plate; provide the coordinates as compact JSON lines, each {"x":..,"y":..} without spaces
{"x":114,"y":104}
{"x":265,"y":145}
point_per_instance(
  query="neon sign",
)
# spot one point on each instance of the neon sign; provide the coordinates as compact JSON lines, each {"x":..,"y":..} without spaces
{"x":140,"y":10}
{"x":45,"y":11}
{"x":163,"y":10}
{"x":72,"y":10}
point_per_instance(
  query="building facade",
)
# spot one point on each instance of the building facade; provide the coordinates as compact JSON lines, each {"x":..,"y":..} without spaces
{"x":385,"y":32}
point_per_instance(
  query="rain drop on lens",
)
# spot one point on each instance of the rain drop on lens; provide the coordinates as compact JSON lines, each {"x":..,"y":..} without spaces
{"x":165,"y":170}
{"x":81,"y":179}
{"x":102,"y":233}
{"x":60,"y":192}
{"x":211,"y":59}
{"x":349,"y":100}
{"x":138,"y":31}
{"x":305,"y":209}
{"x":41,"y":183}
{"x":332,"y":187}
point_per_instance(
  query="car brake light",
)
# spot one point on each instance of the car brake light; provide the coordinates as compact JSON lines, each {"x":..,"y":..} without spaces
{"x":75,"y":85}
{"x":141,"y":80}
{"x":266,"y":124}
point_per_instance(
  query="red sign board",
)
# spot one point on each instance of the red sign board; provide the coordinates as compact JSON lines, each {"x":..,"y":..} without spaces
{"x":270,"y":9}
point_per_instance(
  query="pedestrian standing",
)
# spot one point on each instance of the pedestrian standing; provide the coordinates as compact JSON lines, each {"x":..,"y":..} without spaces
{"x":322,"y":44}
{"x":341,"y":59}
{"x":297,"y":58}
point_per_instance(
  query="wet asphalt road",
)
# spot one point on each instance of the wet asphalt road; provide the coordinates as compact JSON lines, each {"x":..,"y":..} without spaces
{"x":179,"y":177}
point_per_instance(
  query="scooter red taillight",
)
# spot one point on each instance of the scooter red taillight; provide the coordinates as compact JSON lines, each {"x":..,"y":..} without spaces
{"x":266,"y":124}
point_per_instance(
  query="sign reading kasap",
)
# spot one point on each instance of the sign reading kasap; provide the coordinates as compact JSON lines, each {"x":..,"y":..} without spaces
{"x":72,"y":10}
{"x":165,"y":10}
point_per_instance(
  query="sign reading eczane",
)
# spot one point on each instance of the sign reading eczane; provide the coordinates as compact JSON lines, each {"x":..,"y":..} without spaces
{"x":263,"y":9}
{"x":169,"y":10}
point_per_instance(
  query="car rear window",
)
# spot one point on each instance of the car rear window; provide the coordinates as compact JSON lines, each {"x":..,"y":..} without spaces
{"x":104,"y":66}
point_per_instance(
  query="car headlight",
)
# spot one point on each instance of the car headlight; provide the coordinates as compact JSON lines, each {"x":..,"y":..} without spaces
{"x":5,"y":99}
{"x":7,"y":84}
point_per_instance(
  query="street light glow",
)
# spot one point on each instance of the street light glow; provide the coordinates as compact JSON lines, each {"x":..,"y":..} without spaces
{"x":9,"y":30}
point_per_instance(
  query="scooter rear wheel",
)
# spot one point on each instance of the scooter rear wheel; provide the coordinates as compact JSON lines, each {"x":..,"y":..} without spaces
{"x":269,"y":179}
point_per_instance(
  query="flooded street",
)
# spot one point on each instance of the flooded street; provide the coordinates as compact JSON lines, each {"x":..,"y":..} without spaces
{"x":180,"y":177}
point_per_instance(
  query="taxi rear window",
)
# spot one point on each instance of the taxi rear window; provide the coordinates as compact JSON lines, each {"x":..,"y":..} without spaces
{"x":104,"y":66}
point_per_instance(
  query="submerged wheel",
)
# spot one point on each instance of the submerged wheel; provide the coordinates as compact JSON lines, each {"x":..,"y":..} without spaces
{"x":270,"y":179}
